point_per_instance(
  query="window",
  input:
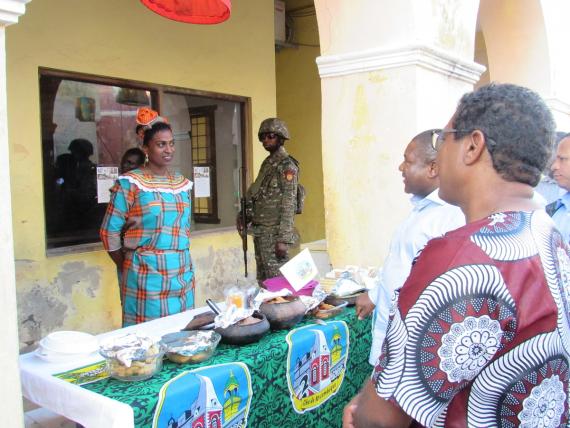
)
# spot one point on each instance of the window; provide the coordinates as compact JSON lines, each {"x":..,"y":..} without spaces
{"x":88,"y":122}
{"x":209,"y":150}
{"x":85,"y":126}
{"x":203,"y":142}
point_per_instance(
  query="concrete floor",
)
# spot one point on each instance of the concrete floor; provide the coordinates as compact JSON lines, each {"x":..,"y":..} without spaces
{"x":43,"y":418}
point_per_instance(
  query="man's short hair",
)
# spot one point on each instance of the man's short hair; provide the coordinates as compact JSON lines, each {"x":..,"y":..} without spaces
{"x":518,"y":128}
{"x":424,"y":143}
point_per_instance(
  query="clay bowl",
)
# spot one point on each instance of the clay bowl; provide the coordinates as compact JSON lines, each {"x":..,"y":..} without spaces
{"x":243,"y":334}
{"x":284,"y":315}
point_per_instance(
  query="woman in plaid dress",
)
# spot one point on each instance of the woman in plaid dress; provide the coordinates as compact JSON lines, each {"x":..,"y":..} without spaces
{"x":153,"y":206}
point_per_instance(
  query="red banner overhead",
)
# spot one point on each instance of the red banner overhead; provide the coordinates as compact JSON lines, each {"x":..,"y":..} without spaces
{"x":192,"y":11}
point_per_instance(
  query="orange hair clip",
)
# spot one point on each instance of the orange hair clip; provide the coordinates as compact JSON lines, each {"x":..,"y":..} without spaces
{"x":147,"y":117}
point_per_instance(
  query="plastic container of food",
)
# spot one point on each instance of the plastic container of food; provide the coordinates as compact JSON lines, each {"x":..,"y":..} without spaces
{"x":132,"y":357}
{"x":190,"y":346}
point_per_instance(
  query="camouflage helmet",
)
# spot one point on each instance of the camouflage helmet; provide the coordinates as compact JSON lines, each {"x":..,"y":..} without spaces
{"x":277,"y":126}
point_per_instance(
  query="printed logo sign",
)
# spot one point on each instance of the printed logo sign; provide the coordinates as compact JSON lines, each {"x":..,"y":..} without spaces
{"x":209,"y":397}
{"x":316,"y":363}
{"x":85,"y":374}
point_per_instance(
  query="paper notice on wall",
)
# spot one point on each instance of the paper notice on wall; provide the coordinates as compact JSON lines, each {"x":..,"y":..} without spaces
{"x":106,"y":176}
{"x":201,"y":181}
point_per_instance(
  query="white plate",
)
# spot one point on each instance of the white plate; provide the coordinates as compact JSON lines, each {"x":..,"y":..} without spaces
{"x":57,"y":357}
{"x":70,"y":342}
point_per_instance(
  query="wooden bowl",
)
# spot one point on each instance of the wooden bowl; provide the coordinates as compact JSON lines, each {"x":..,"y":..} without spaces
{"x":243,"y":334}
{"x":284,"y":315}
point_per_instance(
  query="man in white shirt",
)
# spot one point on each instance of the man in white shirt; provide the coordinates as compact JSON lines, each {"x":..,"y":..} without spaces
{"x":559,"y":210}
{"x":429,"y":218}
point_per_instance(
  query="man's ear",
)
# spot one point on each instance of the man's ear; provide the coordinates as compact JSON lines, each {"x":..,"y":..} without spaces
{"x":473,"y":147}
{"x":433,"y":171}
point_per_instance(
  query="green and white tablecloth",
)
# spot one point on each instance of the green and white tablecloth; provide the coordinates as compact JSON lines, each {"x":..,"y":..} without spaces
{"x":301,"y":378}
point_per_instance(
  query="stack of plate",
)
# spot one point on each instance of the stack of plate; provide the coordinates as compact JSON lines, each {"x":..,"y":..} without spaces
{"x":65,"y":346}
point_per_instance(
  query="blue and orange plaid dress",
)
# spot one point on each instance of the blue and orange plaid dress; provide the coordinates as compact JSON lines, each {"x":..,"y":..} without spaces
{"x":153,"y":212}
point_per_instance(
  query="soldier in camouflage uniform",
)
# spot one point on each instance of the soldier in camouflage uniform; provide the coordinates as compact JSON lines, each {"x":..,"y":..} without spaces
{"x":271,"y":201}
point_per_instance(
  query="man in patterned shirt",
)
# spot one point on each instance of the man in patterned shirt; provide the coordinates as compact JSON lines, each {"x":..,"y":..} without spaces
{"x":479,"y":335}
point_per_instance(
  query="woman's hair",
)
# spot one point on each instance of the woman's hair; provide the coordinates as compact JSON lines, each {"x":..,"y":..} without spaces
{"x":157,"y":127}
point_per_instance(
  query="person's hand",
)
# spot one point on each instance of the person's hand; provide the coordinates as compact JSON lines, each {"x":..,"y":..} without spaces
{"x":364,"y":306}
{"x":347,"y":414}
{"x":280,"y":250}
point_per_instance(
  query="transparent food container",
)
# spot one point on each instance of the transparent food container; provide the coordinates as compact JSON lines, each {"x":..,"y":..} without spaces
{"x":191,"y":346}
{"x":128,"y":362}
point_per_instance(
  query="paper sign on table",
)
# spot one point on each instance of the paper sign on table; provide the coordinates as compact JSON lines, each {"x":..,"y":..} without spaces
{"x":300,"y":269}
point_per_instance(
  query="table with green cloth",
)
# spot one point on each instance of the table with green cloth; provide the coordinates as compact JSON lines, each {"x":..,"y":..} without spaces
{"x":266,"y":360}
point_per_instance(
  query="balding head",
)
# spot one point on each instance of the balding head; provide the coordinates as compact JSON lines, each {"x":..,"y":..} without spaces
{"x":561,"y":165}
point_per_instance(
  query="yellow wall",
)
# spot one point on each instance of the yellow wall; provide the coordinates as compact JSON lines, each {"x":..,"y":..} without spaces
{"x":121,"y":39}
{"x":299,"y":104}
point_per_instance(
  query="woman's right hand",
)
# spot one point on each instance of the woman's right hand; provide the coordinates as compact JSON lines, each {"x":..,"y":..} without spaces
{"x":118,"y":258}
{"x":364,"y":306}
{"x":348,"y":413}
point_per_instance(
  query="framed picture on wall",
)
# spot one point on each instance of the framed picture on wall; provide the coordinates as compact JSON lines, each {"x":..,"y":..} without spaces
{"x":85,"y":109}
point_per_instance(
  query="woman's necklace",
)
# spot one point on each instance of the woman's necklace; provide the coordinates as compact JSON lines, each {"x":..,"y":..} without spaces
{"x":154,"y":177}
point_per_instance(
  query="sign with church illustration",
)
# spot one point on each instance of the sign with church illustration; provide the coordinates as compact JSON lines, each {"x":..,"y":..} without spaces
{"x":209,"y":397}
{"x":316,"y":363}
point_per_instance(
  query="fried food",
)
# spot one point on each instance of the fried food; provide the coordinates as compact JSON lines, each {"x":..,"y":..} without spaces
{"x":249,"y":321}
{"x":325,"y":306}
{"x":277,"y":300}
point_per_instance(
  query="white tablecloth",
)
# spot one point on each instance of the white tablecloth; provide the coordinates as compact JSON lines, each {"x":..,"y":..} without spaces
{"x":88,"y":408}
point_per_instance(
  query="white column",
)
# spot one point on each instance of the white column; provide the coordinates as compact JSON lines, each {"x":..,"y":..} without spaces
{"x":556,"y":13}
{"x":10,"y":395}
{"x":389,"y":70}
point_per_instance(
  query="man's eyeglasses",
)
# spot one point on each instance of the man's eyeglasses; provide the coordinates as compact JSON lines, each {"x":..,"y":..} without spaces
{"x":438,"y":136}
{"x":264,"y":135}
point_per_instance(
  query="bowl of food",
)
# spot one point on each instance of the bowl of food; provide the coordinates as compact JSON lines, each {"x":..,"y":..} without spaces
{"x":190,"y":346}
{"x":283,"y":312}
{"x":326,"y":310}
{"x":248,"y":330}
{"x":132,"y":357}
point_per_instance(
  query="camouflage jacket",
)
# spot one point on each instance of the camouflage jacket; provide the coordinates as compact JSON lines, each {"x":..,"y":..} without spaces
{"x":272,"y":198}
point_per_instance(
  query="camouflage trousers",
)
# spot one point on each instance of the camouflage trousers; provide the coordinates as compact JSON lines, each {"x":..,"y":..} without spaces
{"x":267,"y":263}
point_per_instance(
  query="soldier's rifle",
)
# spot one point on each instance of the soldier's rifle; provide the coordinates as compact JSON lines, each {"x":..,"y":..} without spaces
{"x":243,"y":219}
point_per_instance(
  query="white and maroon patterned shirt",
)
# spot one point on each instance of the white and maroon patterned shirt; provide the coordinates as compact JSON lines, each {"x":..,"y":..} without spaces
{"x":479,"y":335}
